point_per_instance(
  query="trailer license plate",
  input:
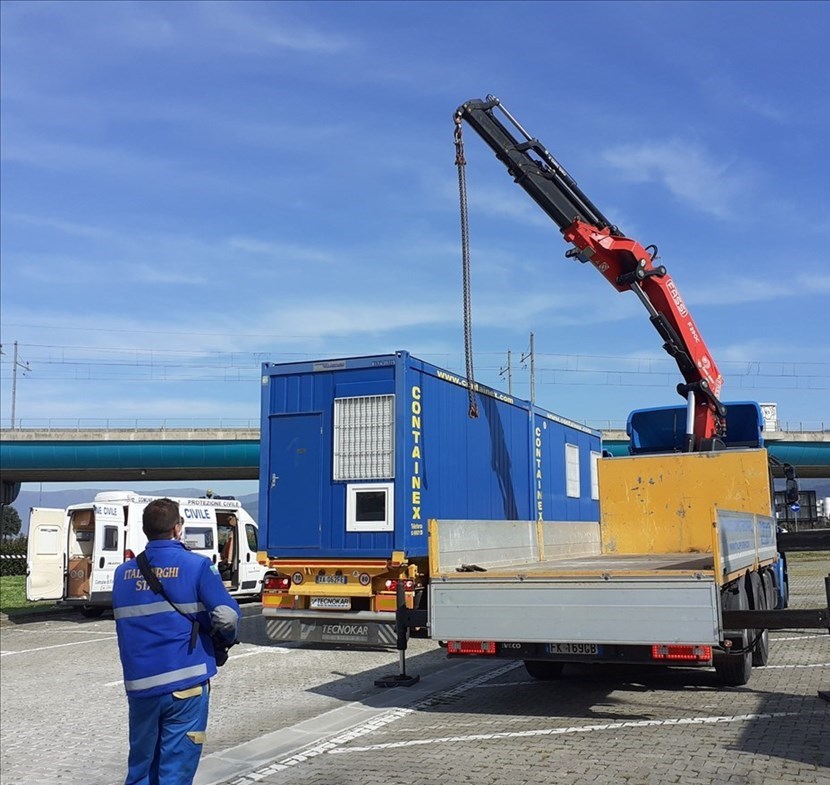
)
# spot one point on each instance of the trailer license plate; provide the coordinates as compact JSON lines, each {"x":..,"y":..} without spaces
{"x":332,"y":603}
{"x":583,"y":649}
{"x":331,"y":579}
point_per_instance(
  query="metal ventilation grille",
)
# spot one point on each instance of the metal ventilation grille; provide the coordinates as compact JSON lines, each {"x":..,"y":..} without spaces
{"x":364,"y":446}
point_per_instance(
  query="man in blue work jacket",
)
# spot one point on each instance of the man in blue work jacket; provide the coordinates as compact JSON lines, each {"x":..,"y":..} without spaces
{"x":167,"y":660}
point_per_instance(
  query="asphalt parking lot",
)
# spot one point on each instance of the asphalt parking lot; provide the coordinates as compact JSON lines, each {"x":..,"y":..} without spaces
{"x":303,"y":715}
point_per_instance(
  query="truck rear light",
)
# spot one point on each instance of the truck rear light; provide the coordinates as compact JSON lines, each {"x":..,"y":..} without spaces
{"x":276,"y":583}
{"x":128,"y":554}
{"x":392,"y":585}
{"x":683,"y":653}
{"x":471,"y":647}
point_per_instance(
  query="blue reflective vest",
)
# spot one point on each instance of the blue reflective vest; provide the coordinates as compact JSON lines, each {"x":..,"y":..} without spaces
{"x":154,"y":640}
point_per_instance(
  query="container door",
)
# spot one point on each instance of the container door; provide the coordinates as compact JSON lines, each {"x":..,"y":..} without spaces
{"x":46,"y":555}
{"x":295,"y":484}
{"x":108,"y":547}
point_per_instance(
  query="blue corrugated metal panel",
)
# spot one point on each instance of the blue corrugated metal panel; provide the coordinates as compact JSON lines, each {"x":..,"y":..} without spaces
{"x":446,"y":464}
{"x":552,"y":434}
{"x":306,"y":514}
{"x":467,"y":468}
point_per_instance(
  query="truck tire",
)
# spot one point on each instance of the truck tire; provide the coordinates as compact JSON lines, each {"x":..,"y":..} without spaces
{"x":92,"y":611}
{"x":734,"y":670}
{"x":758,"y":600}
{"x":544,"y":670}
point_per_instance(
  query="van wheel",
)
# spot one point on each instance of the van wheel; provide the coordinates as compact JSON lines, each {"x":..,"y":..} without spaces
{"x":544,"y":670}
{"x":92,"y":611}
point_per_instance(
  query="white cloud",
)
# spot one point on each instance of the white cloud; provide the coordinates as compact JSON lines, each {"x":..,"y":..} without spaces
{"x":247,"y":29}
{"x":733,"y":290}
{"x":296,"y":253}
{"x":686,"y":170}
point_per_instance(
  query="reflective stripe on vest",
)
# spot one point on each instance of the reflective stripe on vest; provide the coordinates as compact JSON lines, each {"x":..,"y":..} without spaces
{"x":166,"y":678}
{"x":148,"y":609}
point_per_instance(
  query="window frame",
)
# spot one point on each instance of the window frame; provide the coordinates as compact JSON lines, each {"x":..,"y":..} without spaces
{"x":352,"y":491}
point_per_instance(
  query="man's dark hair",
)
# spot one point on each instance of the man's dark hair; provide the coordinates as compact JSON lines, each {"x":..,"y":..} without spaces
{"x":160,"y":518}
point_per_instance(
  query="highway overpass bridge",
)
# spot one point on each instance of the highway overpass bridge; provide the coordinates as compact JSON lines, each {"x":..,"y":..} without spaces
{"x":154,"y":454}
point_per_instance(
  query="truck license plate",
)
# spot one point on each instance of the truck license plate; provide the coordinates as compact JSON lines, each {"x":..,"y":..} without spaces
{"x":332,"y":603}
{"x":583,"y":649}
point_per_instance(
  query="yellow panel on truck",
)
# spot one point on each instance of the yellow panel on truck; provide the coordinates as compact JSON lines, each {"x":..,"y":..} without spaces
{"x":666,"y":503}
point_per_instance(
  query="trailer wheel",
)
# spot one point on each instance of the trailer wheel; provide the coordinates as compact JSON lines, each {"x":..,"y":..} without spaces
{"x":758,"y":601}
{"x":544,"y":670}
{"x":92,"y":611}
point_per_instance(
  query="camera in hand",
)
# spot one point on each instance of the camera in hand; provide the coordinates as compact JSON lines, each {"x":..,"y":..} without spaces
{"x":220,"y":649}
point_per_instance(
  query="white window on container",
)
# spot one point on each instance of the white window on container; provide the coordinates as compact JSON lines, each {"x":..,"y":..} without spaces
{"x":595,"y":456}
{"x":370,"y":507}
{"x":364,"y":438}
{"x":572,"y":470}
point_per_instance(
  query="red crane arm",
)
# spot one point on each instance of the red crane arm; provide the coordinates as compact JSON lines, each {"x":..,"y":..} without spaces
{"x":627,"y":265}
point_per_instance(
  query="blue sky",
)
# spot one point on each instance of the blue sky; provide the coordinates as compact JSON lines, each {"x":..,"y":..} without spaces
{"x":189,"y":189}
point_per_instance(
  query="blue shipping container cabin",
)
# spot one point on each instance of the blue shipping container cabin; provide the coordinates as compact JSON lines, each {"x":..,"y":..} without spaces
{"x":358,"y":453}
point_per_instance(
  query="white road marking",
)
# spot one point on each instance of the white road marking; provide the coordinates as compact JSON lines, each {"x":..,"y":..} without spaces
{"x":573,"y":729}
{"x":798,"y":638}
{"x":814,"y":665}
{"x":258,"y":650}
{"x":380,"y":721}
{"x":57,"y":646}
{"x":54,"y":631}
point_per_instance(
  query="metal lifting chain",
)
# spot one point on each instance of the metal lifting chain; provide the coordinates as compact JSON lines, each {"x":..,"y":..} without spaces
{"x":461,"y":163}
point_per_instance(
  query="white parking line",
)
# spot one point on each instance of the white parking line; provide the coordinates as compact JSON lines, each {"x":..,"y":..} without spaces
{"x":381,"y":720}
{"x":57,"y":646}
{"x":798,"y":638}
{"x":258,"y":650}
{"x":572,"y":729}
{"x":814,"y":665}
{"x":54,"y":631}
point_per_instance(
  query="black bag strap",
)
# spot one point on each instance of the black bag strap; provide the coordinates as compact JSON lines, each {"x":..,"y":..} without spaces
{"x":155,"y":584}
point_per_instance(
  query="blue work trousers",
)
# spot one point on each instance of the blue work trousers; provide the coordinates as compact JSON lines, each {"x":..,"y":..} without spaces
{"x":166,"y":737}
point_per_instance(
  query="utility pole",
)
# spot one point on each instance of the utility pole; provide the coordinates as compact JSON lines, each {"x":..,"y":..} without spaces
{"x":16,"y":362}
{"x":509,"y":371}
{"x":532,"y":355}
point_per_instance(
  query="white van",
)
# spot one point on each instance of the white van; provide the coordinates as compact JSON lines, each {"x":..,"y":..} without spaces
{"x":73,"y":553}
